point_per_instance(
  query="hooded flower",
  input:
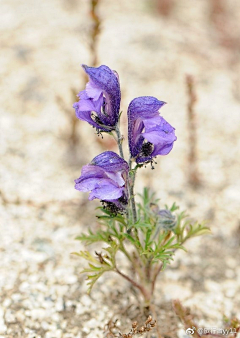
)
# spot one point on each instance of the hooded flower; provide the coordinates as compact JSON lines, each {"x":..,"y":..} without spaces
{"x":106,"y":178}
{"x":149,"y":134}
{"x":99,"y":103}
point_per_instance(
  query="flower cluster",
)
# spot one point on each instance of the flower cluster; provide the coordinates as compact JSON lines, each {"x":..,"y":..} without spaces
{"x":149,"y":135}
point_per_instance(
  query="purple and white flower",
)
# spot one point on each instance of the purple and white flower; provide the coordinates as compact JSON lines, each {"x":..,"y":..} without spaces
{"x":99,"y":103}
{"x":105,"y":177}
{"x":149,"y":134}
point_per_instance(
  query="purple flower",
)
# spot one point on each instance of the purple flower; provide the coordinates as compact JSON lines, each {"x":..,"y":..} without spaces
{"x":99,"y":103}
{"x":106,"y":178}
{"x":149,"y":134}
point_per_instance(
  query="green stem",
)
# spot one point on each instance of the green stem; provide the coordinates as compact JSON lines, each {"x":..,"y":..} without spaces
{"x":119,"y":140}
{"x":131,"y":190}
{"x":156,"y":273}
{"x":137,"y":263}
{"x":148,"y":270}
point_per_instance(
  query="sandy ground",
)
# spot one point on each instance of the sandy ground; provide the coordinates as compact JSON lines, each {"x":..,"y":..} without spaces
{"x":43,"y":44}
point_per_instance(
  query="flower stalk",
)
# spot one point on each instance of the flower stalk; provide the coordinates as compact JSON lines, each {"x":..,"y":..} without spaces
{"x":119,"y":140}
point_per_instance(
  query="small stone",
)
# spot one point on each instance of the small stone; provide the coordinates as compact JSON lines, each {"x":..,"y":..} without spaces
{"x":20,"y":316}
{"x":9,"y":317}
{"x":3,"y":328}
{"x":7,"y":302}
{"x":72,"y":279}
{"x":16,"y":297}
{"x":59,"y":305}
{"x":45,"y":325}
{"x":92,"y":323}
{"x":38,"y":314}
{"x":56,"y":317}
{"x":86,"y":301}
{"x":80,"y":309}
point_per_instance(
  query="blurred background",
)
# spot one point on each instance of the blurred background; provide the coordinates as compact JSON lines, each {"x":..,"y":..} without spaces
{"x":183,"y":52}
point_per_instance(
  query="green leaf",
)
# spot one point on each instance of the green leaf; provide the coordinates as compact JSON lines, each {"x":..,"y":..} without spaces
{"x":148,"y":242}
{"x":95,"y":271}
{"x":197,"y":230}
{"x":129,"y":237}
{"x":173,"y":208}
{"x":86,"y":255}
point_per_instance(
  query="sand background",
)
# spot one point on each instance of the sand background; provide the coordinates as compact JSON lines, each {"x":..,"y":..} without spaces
{"x":43,"y":44}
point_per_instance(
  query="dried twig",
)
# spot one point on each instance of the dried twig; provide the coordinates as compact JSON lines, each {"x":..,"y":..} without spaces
{"x":93,"y":37}
{"x":221,"y":19}
{"x":193,"y":177}
{"x":94,"y":32}
{"x":135,"y":330}
{"x":185,"y":317}
{"x":165,"y":7}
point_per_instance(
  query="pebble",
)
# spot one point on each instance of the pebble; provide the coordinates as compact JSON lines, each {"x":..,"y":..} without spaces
{"x":3,"y":328}
{"x":9,"y":317}
{"x":86,"y":301}
{"x":80,"y":309}
{"x":38,"y":314}
{"x":92,"y":323}
{"x":7,"y":302}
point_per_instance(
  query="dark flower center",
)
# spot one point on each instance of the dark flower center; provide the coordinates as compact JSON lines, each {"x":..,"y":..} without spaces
{"x":104,"y":106}
{"x":123,"y":200}
{"x":147,"y":149}
{"x":96,"y":119}
{"x":113,"y":209}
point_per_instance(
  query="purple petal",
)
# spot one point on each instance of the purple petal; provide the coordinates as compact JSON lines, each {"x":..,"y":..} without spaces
{"x":83,"y":95}
{"x":162,"y":149}
{"x":86,"y":105}
{"x":93,"y":91}
{"x":144,"y":107}
{"x":106,"y":80}
{"x":105,"y":178}
{"x":152,"y":122}
{"x":90,"y":170}
{"x":87,"y":116}
{"x":106,"y":192}
{"x":144,"y":123}
{"x":157,"y":135}
{"x":141,"y":108}
{"x":116,"y":177}
{"x":110,"y":161}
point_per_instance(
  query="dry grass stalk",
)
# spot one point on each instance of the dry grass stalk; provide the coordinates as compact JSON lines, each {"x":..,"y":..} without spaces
{"x":136,"y":329}
{"x":221,"y":19}
{"x":165,"y":7}
{"x":73,"y":136}
{"x":185,"y":316}
{"x":193,"y":177}
{"x":94,"y":32}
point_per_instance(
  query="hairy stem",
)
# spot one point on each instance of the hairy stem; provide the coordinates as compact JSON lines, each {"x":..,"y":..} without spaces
{"x":156,"y":273}
{"x":138,"y":266}
{"x":148,"y":270}
{"x":119,"y":141}
{"x":141,"y":288}
{"x":131,"y":188}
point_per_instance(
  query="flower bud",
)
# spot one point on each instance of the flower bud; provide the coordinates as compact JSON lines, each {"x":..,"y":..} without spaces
{"x":167,"y":220}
